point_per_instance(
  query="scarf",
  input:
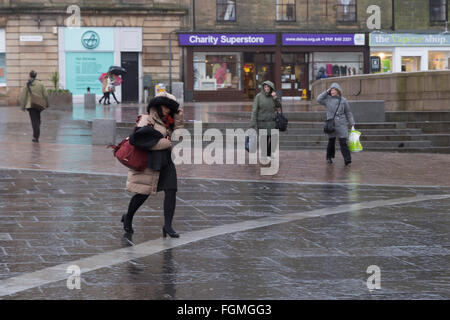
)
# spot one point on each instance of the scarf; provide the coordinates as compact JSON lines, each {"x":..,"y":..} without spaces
{"x":168,"y":121}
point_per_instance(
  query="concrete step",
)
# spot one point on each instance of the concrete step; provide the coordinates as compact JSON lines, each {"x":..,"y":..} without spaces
{"x":323,"y":137}
{"x":441,"y":150}
{"x":431,"y":127}
{"x":366,"y":144}
{"x":417,"y":116}
{"x":438,"y":140}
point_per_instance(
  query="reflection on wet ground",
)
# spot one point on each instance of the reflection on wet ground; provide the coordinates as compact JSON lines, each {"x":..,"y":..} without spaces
{"x":49,"y":217}
{"x":66,"y":217}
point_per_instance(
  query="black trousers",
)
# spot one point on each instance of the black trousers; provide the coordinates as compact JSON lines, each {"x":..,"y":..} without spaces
{"x":35,"y":116}
{"x":331,"y":149}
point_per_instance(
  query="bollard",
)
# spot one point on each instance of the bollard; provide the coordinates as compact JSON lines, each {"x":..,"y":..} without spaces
{"x":89,"y":100}
{"x":104,"y":131}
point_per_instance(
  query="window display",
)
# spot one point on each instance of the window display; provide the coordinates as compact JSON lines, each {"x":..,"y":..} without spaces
{"x":386,"y":60}
{"x":411,"y":64}
{"x":216,"y":71}
{"x":337,"y":64}
{"x":2,"y":68}
{"x":294,"y":71}
{"x":439,"y":60}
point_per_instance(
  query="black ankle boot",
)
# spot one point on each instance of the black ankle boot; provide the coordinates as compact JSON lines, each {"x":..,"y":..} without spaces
{"x":329,"y":160}
{"x":127,"y":226}
{"x":169,"y":231}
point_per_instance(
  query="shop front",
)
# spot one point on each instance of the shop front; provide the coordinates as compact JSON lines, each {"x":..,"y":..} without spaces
{"x":227,"y":67}
{"x":86,"y":53}
{"x":310,"y":57}
{"x":411,"y":52}
{"x":232,"y":67}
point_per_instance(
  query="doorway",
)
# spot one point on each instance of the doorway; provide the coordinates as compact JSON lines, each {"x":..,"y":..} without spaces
{"x":130,"y":84}
{"x":411,"y":64}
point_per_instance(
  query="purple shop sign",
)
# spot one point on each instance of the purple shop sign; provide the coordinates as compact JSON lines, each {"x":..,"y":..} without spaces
{"x":336,"y":39}
{"x":226,"y":39}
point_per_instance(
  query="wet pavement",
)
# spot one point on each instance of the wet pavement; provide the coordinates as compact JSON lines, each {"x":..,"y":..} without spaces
{"x":309,"y":232}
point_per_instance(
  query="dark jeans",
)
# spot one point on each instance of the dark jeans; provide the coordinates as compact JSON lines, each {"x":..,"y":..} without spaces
{"x":331,"y":149}
{"x":35,"y":116}
{"x":269,"y":143}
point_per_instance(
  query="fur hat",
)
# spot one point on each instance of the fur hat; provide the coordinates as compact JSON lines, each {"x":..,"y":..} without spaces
{"x":165,"y":99}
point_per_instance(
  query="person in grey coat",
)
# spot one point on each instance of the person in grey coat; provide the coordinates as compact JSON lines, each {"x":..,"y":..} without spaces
{"x":333,"y":99}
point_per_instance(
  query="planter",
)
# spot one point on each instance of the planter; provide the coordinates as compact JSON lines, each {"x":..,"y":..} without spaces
{"x":60,"y":101}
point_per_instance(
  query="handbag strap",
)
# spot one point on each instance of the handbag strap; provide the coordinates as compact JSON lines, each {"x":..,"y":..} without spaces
{"x":337,"y":108}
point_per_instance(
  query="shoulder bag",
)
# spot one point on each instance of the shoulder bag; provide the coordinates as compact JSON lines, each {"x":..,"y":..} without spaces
{"x":330,"y":126}
{"x":129,"y":155}
{"x":281,"y":122}
{"x":37,"y":102}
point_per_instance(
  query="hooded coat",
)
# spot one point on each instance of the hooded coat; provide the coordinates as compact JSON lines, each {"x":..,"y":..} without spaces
{"x":264,"y":107}
{"x":148,"y":181}
{"x":344,"y":116}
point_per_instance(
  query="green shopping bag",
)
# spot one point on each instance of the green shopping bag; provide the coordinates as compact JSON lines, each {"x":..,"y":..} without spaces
{"x":353,"y":141}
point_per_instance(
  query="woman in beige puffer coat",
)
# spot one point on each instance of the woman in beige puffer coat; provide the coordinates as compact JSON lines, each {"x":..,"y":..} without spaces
{"x":164,"y":116}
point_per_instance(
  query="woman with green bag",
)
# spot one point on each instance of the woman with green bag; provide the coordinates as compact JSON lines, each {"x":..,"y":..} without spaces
{"x":339,"y":110}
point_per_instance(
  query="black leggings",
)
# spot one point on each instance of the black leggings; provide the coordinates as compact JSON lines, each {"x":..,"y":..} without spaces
{"x":169,"y":205}
{"x":105,"y":96}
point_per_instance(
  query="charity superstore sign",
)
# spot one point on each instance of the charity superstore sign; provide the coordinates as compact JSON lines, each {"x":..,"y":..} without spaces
{"x":226,"y":39}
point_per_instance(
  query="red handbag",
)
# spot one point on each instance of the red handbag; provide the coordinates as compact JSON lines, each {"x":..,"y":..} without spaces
{"x":130,"y":156}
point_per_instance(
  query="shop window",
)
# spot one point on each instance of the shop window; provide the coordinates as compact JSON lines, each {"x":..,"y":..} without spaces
{"x":226,"y":10}
{"x":346,"y":11}
{"x":385,"y":59}
{"x":217,"y":71}
{"x":411,"y":64}
{"x":2,"y":68}
{"x":439,"y":60}
{"x":293,"y":71}
{"x":438,"y":10}
{"x":285,"y":10}
{"x":337,"y":64}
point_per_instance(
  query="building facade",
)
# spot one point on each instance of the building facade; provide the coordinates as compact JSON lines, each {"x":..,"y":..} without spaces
{"x":82,"y":39}
{"x":233,"y":46}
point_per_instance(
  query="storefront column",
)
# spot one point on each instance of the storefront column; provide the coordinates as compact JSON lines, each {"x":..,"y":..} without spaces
{"x":189,"y":75}
{"x":277,"y":73}
{"x":366,"y":68}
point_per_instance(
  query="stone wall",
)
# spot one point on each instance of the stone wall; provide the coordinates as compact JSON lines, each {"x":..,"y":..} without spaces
{"x":314,"y":16}
{"x":412,"y":91}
